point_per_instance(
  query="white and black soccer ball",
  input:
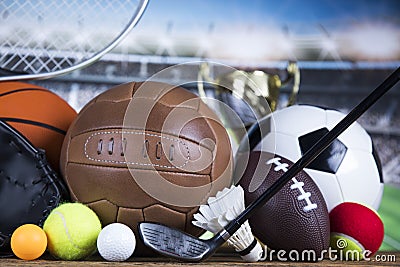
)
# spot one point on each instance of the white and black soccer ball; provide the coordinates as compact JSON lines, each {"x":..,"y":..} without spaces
{"x":348,"y":170}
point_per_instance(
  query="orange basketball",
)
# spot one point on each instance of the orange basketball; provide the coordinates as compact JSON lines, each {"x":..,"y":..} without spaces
{"x":40,"y":115}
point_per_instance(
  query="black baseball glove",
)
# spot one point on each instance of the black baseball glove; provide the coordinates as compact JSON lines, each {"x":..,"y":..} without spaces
{"x":29,"y":188}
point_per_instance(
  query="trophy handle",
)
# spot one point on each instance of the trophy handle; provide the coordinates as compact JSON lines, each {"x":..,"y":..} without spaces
{"x":203,"y":76}
{"x":293,"y":74}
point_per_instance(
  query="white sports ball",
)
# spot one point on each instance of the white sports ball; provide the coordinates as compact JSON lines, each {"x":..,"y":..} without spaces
{"x":116,"y":242}
{"x":348,"y":170}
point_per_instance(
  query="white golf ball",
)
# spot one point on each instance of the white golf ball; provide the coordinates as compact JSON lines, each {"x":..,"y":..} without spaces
{"x":116,"y":242}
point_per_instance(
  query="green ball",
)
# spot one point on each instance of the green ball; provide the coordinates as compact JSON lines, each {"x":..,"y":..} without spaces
{"x":72,"y":230}
{"x":348,"y":248}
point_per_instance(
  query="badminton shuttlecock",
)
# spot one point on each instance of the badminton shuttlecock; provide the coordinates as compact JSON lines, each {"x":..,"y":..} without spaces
{"x":219,"y":211}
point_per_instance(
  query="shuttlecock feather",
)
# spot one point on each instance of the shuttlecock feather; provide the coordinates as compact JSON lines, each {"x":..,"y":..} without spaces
{"x":219,"y":211}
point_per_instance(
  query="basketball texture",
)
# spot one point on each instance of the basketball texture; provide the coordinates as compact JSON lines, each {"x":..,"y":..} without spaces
{"x":146,"y":152}
{"x":40,"y":115}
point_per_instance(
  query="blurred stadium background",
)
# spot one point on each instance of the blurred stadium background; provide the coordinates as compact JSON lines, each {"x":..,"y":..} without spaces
{"x":344,"y":49}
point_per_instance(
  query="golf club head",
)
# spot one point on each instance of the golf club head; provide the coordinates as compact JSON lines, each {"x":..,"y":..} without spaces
{"x":175,"y":243}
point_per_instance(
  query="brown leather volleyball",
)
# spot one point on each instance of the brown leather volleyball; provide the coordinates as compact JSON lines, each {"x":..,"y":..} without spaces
{"x":146,"y":152}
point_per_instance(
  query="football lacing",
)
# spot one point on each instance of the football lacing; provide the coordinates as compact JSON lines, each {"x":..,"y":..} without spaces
{"x":110,"y":148}
{"x":296,"y":184}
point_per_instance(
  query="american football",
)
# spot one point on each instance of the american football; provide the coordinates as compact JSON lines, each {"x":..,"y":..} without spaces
{"x":296,"y":218}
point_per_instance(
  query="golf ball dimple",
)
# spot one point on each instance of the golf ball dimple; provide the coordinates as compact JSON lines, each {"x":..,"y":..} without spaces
{"x":116,"y":242}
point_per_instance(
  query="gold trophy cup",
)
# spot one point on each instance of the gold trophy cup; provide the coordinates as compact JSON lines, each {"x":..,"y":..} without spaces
{"x":240,"y":98}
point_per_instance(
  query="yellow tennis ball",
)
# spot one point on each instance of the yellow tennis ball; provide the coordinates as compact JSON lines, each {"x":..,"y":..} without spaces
{"x":72,"y":230}
{"x":349,"y":247}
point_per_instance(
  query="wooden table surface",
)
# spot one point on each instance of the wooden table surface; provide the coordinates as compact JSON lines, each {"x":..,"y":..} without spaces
{"x":96,"y":261}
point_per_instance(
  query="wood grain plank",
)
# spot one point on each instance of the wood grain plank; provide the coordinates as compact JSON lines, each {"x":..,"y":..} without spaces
{"x":96,"y":261}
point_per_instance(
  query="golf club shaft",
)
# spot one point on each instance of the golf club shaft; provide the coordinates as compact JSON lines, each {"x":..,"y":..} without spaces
{"x":315,"y":150}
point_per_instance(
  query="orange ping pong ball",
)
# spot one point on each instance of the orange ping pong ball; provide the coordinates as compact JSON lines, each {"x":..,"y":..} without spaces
{"x":28,"y":242}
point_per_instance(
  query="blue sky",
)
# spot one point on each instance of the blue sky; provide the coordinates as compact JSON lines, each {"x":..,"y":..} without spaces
{"x":237,"y":29}
{"x":274,"y":29}
{"x":279,"y":12}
